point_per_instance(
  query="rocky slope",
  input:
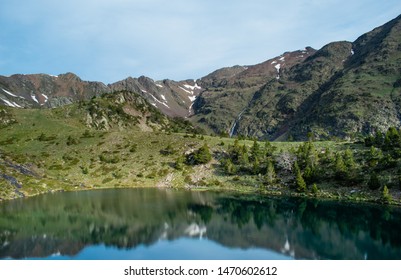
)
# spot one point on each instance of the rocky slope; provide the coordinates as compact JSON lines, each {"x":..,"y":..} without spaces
{"x":345,"y":89}
{"x":342,"y":90}
{"x":41,"y":90}
{"x":229,"y":91}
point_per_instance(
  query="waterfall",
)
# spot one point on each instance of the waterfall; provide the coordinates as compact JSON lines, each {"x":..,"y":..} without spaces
{"x":234,"y":126}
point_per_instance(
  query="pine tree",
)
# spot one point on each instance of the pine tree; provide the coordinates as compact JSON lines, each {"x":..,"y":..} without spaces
{"x":229,"y":167}
{"x":255,"y":151}
{"x":349,"y":159}
{"x":234,"y":151}
{"x":270,"y":176}
{"x":269,"y":149}
{"x":256,"y":167}
{"x":202,"y":155}
{"x":308,"y":174}
{"x":300,"y":182}
{"x":393,"y":137}
{"x":313,"y":157}
{"x":243,"y":159}
{"x":315,"y":190}
{"x":340,"y":168}
{"x":386,"y":197}
{"x":350,"y":164}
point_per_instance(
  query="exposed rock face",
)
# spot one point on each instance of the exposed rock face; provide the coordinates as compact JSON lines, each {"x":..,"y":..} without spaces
{"x":40,"y":90}
{"x":229,"y":91}
{"x":171,"y":97}
{"x":342,"y":90}
{"x":35,"y":91}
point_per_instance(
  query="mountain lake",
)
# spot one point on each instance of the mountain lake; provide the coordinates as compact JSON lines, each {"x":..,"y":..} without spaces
{"x":166,"y":224}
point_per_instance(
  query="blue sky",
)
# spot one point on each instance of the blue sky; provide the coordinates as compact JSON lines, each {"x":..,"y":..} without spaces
{"x":109,"y":40}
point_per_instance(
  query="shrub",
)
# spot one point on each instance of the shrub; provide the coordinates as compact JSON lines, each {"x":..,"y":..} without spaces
{"x":315,"y":190}
{"x":179,"y":163}
{"x":72,"y":141}
{"x":200,"y":156}
{"x":168,"y":150}
{"x":374,"y":182}
{"x":386,"y":197}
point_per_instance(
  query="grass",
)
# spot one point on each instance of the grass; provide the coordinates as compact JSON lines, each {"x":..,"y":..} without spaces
{"x":41,"y":141}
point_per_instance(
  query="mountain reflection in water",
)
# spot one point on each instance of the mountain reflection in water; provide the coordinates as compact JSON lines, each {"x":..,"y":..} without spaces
{"x":155,"y":224}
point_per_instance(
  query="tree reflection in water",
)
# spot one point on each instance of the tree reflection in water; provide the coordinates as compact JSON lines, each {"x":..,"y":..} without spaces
{"x":66,"y":223}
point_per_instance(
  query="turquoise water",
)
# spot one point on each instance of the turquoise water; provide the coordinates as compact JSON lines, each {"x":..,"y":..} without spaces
{"x":166,"y":224}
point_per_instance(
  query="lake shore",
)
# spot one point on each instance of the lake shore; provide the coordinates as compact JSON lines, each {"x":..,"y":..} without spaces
{"x":349,"y":194}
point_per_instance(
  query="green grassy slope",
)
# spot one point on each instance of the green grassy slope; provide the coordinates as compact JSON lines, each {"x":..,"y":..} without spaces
{"x":118,"y":141}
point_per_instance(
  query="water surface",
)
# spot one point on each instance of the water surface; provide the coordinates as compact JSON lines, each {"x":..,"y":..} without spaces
{"x":169,"y":224}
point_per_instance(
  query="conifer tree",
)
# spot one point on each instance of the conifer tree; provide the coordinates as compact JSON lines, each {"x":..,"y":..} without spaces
{"x":308,"y":174}
{"x":296,"y":167}
{"x":270,"y":176}
{"x":386,"y":197}
{"x":315,"y":190}
{"x":256,"y":167}
{"x":394,"y":137}
{"x":269,"y":149}
{"x":202,"y":155}
{"x":340,"y":168}
{"x":350,"y":164}
{"x":229,"y":167}
{"x":243,"y":159}
{"x":234,"y":151}
{"x":349,"y":159}
{"x":300,"y":182}
{"x":255,"y":151}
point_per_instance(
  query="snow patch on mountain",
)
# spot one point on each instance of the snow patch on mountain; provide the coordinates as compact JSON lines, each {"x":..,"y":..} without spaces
{"x":187,"y":91}
{"x":278,"y":66}
{"x":158,"y":101}
{"x":34,"y":98}
{"x":46,"y":97}
{"x":9,"y":93}
{"x":11,"y":104}
{"x":192,"y":88}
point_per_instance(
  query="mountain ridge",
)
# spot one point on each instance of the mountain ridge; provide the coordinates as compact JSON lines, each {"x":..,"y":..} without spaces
{"x":345,"y":89}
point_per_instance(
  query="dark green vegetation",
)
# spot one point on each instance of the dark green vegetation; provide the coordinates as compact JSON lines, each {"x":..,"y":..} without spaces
{"x":120,"y":141}
{"x":346,"y":90}
{"x":64,"y":224}
{"x":343,"y":170}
